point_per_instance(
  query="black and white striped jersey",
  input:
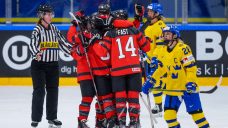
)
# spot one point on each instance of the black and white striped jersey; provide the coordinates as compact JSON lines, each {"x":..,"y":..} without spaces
{"x":48,"y":42}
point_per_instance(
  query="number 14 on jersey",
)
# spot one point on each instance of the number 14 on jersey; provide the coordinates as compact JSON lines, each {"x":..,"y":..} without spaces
{"x":129,"y":47}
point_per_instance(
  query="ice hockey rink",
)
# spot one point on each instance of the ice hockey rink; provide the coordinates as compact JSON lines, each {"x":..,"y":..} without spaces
{"x":15,"y":108}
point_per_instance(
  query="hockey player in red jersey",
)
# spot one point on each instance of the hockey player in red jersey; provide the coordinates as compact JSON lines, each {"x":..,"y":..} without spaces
{"x":100,"y":65}
{"x":101,"y":72}
{"x":123,"y":43}
{"x":83,"y":72}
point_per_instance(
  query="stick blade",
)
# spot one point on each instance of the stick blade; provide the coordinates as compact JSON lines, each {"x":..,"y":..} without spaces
{"x":73,"y":16}
{"x":219,"y":81}
{"x":214,"y":88}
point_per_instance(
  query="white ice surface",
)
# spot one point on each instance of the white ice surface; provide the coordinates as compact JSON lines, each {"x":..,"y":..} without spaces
{"x":15,"y":109}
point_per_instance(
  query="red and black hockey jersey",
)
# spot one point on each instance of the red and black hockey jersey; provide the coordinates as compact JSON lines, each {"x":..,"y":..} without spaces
{"x":123,"y":44}
{"x":98,"y":65}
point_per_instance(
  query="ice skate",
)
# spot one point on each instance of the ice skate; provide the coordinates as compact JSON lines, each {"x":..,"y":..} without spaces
{"x":54,"y":123}
{"x":122,"y":123}
{"x":101,"y":123}
{"x":112,"y":123}
{"x":82,"y":124}
{"x":134,"y":123}
{"x":34,"y":124}
{"x":157,"y":110}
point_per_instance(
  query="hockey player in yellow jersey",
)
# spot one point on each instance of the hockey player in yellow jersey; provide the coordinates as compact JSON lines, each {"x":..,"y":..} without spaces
{"x":154,"y":32}
{"x":152,"y":28}
{"x":179,"y":65}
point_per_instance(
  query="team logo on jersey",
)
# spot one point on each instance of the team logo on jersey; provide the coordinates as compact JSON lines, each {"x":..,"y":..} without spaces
{"x":187,"y":59}
{"x":174,"y":75}
{"x":177,"y":67}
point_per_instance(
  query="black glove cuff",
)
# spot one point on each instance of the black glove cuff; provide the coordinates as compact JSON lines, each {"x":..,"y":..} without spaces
{"x":137,"y":17}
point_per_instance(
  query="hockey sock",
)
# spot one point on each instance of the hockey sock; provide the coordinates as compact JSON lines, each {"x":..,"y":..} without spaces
{"x":100,"y":114}
{"x":84,"y":108}
{"x":121,"y":108}
{"x":200,"y":120}
{"x":171,"y":119}
{"x":108,"y":104}
{"x":133,"y":102}
{"x":157,"y":96}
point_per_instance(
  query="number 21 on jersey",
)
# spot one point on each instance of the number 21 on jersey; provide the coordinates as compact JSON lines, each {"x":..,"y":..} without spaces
{"x":129,"y":47}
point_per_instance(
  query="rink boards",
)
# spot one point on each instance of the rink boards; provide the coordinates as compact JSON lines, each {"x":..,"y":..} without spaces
{"x":209,"y":43}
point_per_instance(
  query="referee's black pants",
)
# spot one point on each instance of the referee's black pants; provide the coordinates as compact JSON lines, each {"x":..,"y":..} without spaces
{"x":44,"y":73}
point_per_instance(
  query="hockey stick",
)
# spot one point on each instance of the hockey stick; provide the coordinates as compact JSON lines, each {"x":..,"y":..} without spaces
{"x":87,"y":58}
{"x":148,"y":97}
{"x":210,"y":91}
{"x":147,"y":107}
{"x":215,"y":88}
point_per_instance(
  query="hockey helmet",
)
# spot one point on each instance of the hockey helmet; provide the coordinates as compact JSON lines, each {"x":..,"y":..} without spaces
{"x":120,"y":14}
{"x":44,"y":9}
{"x":104,"y":9}
{"x":173,"y":29}
{"x":156,"y":7}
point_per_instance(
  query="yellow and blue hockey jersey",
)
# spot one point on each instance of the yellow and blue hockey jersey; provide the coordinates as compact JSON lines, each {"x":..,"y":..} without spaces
{"x":154,"y":32}
{"x":179,"y":66}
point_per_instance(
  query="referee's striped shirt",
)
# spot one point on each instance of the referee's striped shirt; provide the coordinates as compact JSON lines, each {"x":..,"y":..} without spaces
{"x":48,"y":41}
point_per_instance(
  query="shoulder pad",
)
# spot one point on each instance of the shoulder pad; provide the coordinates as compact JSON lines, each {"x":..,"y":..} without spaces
{"x":181,"y":44}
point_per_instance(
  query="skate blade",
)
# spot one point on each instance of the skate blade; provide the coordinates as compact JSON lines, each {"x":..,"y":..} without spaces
{"x":53,"y":126}
{"x":158,"y":115}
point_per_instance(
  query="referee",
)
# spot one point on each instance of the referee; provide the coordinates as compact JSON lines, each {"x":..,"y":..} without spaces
{"x":45,"y":43}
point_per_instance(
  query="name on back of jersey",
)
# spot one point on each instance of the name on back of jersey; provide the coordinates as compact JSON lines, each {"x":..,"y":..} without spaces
{"x":121,"y":32}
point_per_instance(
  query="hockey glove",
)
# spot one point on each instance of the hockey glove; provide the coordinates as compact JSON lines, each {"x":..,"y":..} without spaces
{"x":96,"y":36}
{"x":153,"y":66}
{"x":74,"y":23}
{"x":78,"y":50}
{"x":154,"y":63}
{"x":85,"y":37}
{"x":150,"y":82}
{"x":191,"y":87}
{"x":139,"y":12}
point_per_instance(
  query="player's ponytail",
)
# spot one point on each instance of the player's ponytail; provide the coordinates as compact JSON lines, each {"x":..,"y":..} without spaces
{"x":161,"y":17}
{"x":39,"y":21}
